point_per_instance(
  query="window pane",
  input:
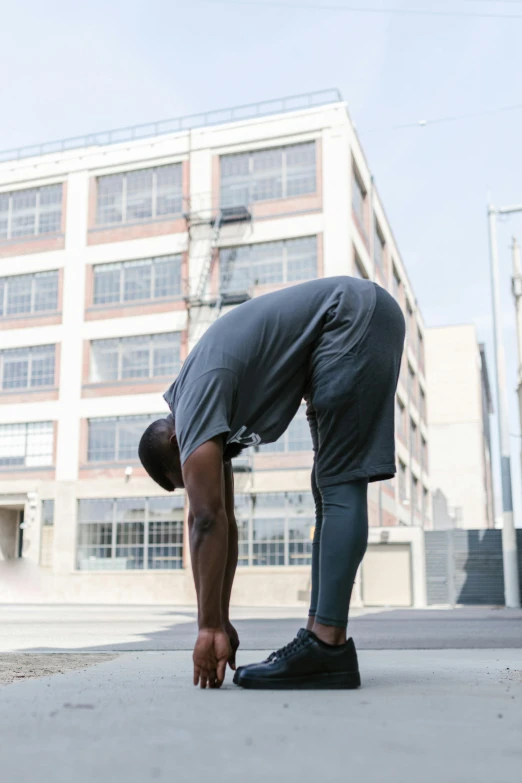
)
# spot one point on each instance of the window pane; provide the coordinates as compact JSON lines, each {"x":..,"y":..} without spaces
{"x":235,"y":268}
{"x":139,"y":195}
{"x":107,"y":283}
{"x":301,"y":259}
{"x":95,"y":510}
{"x":166,"y":354}
{"x":267,"y":263}
{"x":4,"y":215}
{"x":19,"y":295}
{"x":300,"y":169}
{"x":13,"y":438}
{"x":167,"y":276}
{"x":358,"y":199}
{"x":42,"y":366}
{"x":165,"y":550}
{"x":267,"y":175}
{"x":169,"y":190}
{"x":298,"y":433}
{"x":136,"y":280}
{"x":50,"y":211}
{"x":130,"y":430}
{"x":95,"y":534}
{"x":15,"y":368}
{"x":45,"y":292}
{"x":300,"y":535}
{"x":109,"y":199}
{"x":135,"y":357}
{"x":235,"y":180}
{"x":104,"y":360}
{"x":47,"y":513}
{"x":40,"y":439}
{"x":268,"y":548}
{"x":102,"y":440}
{"x":130,"y":532}
{"x":23,"y":216}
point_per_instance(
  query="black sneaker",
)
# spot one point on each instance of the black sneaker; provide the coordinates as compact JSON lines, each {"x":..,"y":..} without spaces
{"x":306,"y":662}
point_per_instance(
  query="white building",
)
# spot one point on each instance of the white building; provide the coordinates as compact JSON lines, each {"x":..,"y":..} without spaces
{"x":103,"y":245}
{"x":458,"y":425}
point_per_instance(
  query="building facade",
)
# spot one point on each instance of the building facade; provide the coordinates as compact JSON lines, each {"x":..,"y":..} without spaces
{"x":459,"y":427}
{"x":113,"y":257}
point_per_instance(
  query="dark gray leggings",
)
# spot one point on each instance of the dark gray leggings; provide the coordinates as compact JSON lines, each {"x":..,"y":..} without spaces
{"x":340,"y":540}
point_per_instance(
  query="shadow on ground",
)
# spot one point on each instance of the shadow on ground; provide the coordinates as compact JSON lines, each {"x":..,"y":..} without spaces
{"x":405,"y":629}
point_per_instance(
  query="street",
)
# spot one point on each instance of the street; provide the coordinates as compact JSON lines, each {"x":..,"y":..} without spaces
{"x":121,"y":705}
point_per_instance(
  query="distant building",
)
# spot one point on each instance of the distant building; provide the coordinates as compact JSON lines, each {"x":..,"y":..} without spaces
{"x":108,"y":247}
{"x":459,"y":428}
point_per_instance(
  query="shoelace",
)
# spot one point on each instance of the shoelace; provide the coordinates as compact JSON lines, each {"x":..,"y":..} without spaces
{"x":289,"y":649}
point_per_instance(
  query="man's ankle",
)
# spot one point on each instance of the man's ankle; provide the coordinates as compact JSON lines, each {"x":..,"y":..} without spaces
{"x":330,"y":634}
{"x":311,"y":622}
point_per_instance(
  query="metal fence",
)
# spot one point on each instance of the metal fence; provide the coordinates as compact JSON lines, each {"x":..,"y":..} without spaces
{"x":247,"y":111}
{"x":465,"y":566}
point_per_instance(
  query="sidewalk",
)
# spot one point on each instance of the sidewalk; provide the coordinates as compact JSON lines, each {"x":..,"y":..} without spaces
{"x":430,"y":716}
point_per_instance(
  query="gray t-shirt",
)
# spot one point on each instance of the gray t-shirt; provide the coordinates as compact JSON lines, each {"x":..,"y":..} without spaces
{"x":247,"y":375}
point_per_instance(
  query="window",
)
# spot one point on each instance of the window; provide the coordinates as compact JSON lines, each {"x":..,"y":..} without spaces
{"x":422,"y":404}
{"x":412,"y":384}
{"x":47,"y":513}
{"x":296,"y":438}
{"x":420,"y":349}
{"x":280,"y":172}
{"x":31,"y":212}
{"x":144,"y":194}
{"x":400,"y":415}
{"x":424,"y":454}
{"x":415,"y":493}
{"x":403,"y":494}
{"x":275,"y":528}
{"x":397,"y":285}
{"x":414,"y":438}
{"x":29,"y":294}
{"x":266,"y":263}
{"x":358,"y":268}
{"x":131,"y":533}
{"x":116,"y":438}
{"x":27,"y":445}
{"x":125,"y":358}
{"x":359,"y":199}
{"x":134,"y":281}
{"x":27,"y":368}
{"x":378,"y":247}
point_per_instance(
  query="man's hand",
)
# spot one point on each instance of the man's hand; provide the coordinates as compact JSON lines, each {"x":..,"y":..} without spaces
{"x":233,"y":638}
{"x":211,"y":654}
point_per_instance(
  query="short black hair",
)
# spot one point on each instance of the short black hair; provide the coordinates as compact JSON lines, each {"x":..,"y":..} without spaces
{"x":152,"y":451}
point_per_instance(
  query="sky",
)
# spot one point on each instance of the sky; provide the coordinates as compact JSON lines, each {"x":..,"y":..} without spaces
{"x":75,"y":68}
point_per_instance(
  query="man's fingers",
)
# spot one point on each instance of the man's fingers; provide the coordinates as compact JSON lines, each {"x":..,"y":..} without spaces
{"x":197,"y":672}
{"x":212,"y":679}
{"x":232,"y":660}
{"x":221,"y":669}
{"x":204,"y":678}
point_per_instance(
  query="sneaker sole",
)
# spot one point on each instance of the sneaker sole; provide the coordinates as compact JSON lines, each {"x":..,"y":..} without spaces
{"x":334,"y":681}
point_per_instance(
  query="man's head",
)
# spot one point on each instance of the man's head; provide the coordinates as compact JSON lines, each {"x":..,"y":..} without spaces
{"x":159,"y":454}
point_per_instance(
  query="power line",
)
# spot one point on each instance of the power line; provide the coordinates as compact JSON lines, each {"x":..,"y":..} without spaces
{"x":451,"y":118}
{"x":360,"y":10}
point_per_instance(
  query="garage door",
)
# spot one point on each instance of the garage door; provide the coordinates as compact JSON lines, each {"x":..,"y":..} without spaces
{"x":386,"y":575}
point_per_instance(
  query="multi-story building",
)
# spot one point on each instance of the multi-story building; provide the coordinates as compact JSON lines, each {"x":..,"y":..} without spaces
{"x":116,"y":252}
{"x":459,"y":428}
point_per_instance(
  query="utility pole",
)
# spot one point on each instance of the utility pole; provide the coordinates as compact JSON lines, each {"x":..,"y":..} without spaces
{"x":516,"y":287}
{"x":509,"y":540}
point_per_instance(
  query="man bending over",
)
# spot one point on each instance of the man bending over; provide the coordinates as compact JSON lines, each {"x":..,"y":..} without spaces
{"x":336,"y":342}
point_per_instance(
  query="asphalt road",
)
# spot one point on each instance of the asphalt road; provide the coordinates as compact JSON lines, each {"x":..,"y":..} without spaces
{"x":87,"y":628}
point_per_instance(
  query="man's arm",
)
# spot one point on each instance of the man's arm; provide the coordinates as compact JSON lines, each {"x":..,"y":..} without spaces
{"x":231,"y":561}
{"x":205,"y":484}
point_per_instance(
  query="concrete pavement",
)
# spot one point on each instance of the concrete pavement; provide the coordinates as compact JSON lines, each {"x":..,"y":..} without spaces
{"x":428,"y":716}
{"x":440,"y":715}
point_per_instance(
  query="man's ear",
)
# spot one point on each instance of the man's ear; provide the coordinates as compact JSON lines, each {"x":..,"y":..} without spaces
{"x":173,"y":441}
